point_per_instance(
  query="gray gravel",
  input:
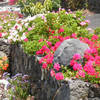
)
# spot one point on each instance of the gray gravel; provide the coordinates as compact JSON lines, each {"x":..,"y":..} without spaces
{"x":94,"y":20}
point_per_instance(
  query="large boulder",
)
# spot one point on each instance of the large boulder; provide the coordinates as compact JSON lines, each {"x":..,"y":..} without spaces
{"x":67,"y":49}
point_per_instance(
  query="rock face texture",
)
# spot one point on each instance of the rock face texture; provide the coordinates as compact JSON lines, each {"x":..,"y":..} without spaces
{"x":20,"y":62}
{"x":67,"y":49}
{"x":67,"y":90}
{"x":4,"y":47}
{"x":78,"y":90}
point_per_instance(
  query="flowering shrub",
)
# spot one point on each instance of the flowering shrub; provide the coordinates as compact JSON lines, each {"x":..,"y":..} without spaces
{"x":89,"y":70}
{"x":3,"y":63}
{"x":51,"y":25}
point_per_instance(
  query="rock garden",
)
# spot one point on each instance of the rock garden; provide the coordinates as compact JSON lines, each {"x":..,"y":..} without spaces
{"x":48,"y":52}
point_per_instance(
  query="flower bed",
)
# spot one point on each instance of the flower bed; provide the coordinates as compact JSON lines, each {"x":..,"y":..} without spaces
{"x":43,"y":35}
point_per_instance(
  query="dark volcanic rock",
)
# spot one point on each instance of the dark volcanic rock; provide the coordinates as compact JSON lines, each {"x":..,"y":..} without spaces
{"x":4,"y":47}
{"x":94,"y":91}
{"x":63,"y":93}
{"x":21,"y":62}
{"x":67,"y":49}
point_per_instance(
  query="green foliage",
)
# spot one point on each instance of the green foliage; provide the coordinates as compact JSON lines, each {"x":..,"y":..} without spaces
{"x":68,"y":72}
{"x":56,"y":4}
{"x":53,"y":21}
{"x":97,"y":31}
{"x":20,"y":87}
{"x":32,"y":8}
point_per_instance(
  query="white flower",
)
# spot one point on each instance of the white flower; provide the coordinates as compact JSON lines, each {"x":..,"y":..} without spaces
{"x":14,"y":39}
{"x":5,"y":82}
{"x":26,"y":25}
{"x":10,"y":37}
{"x":23,"y":37}
{"x":3,"y":34}
{"x":9,"y":24}
{"x":17,"y":36}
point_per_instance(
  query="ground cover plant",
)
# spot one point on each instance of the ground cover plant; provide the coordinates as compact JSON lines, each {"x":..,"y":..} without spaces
{"x":43,"y":35}
{"x":18,"y":87}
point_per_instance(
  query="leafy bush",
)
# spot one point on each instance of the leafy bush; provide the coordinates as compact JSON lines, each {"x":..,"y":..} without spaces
{"x":56,"y":4}
{"x":31,"y":8}
{"x":97,"y":31}
{"x":50,"y":24}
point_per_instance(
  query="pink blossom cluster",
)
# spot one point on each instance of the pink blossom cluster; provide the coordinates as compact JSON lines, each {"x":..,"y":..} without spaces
{"x":91,"y":56}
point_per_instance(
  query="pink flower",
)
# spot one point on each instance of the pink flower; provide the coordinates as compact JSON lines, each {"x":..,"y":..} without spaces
{"x":87,"y":51}
{"x":26,"y":32}
{"x":44,"y":66}
{"x":49,"y":43}
{"x":57,"y":44}
{"x":44,"y":18}
{"x":94,"y":37}
{"x":81,"y":73}
{"x":30,"y":28}
{"x":89,"y":68}
{"x":52,"y":73}
{"x":74,"y":35}
{"x":59,"y":76}
{"x":87,"y":21}
{"x":26,"y":39}
{"x":40,"y":40}
{"x":83,"y":23}
{"x":61,"y":38}
{"x":61,"y":30}
{"x":97,"y":60}
{"x":56,"y":66}
{"x":89,"y":29}
{"x":76,"y":56}
{"x":45,"y":49}
{"x":67,"y":37}
{"x":72,"y":62}
{"x":77,"y":67}
{"x":0,"y":34}
{"x":50,"y":59}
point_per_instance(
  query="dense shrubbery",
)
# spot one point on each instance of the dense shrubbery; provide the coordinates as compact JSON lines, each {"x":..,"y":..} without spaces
{"x":31,"y":8}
